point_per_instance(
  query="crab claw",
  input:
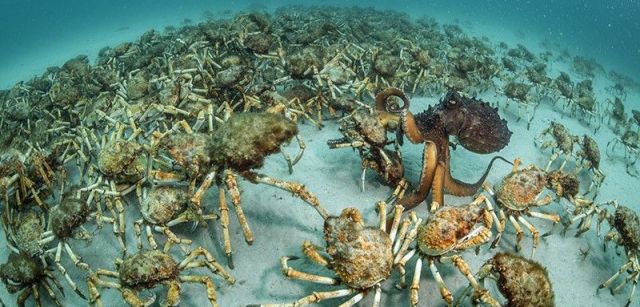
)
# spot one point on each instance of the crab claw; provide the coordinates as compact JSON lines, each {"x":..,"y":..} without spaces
{"x":150,"y":300}
{"x":80,"y":294}
{"x":230,"y":261}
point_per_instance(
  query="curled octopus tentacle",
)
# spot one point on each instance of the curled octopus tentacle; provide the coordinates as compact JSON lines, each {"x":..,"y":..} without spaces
{"x":407,"y":121}
{"x":436,"y":171}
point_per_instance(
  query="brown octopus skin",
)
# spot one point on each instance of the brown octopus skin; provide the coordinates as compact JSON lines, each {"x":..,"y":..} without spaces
{"x":477,"y":126}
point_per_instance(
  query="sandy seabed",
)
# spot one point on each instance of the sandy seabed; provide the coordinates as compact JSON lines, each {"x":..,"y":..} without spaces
{"x":281,"y":222}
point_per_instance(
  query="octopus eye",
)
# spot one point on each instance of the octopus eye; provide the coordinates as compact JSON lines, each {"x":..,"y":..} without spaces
{"x":451,"y":100}
{"x":452,"y":104}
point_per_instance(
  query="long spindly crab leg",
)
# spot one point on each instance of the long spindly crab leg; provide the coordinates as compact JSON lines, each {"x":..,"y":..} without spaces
{"x":232,"y":186}
{"x":294,"y":161}
{"x":295,"y":188}
{"x":224,"y":221}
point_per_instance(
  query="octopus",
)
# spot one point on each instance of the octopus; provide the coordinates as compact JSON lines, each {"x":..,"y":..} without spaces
{"x":476,"y":125}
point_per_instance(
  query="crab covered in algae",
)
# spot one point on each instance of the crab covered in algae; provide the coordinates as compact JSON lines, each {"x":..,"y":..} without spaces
{"x":523,"y":282}
{"x":360,"y":256}
{"x":236,"y":148}
{"x":148,"y":268}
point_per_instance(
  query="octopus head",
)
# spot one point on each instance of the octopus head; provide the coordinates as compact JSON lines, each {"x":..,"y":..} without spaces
{"x":475,"y":123}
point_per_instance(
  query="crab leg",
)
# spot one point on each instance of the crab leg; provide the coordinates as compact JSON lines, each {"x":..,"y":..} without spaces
{"x":444,"y":292}
{"x":311,"y":251}
{"x":109,"y":205}
{"x":482,"y":293}
{"x":197,"y":197}
{"x":401,"y":266}
{"x":382,"y":211}
{"x":623,"y":268}
{"x":401,"y":238}
{"x":173,"y":292}
{"x":49,"y":290}
{"x":377,"y":296}
{"x":120,"y":209}
{"x":54,"y":281}
{"x":293,"y":162}
{"x":353,"y":300}
{"x":137,"y":229}
{"x":36,"y":295}
{"x":398,"y":192}
{"x":64,"y":273}
{"x":398,"y":209}
{"x":232,"y":187}
{"x":206,"y":281}
{"x":224,"y":222}
{"x":501,"y":226}
{"x":534,"y":232}
{"x":133,"y":298}
{"x":409,"y":239}
{"x":551,"y":217}
{"x":76,"y":261}
{"x":315,"y":297}
{"x":292,"y":273}
{"x":211,"y":263}
{"x":499,"y":222}
{"x":519,"y":232}
{"x":415,"y":283}
{"x":172,"y":239}
{"x":295,"y":188}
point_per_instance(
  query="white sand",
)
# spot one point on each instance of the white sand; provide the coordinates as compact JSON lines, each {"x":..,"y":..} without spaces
{"x":281,"y":223}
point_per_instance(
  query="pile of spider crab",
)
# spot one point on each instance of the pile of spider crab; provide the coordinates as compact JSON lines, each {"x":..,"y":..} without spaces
{"x":163,"y":139}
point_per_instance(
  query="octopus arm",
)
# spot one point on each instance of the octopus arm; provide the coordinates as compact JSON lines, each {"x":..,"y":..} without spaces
{"x":456,"y":187}
{"x":429,"y":165}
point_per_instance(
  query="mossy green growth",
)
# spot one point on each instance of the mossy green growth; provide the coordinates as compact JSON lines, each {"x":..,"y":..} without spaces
{"x":243,"y":141}
{"x":189,"y":150}
{"x":67,"y":216}
{"x":122,"y":161}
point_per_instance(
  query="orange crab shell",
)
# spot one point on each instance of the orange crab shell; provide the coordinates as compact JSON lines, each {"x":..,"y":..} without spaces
{"x":520,"y":189}
{"x":447,"y":228}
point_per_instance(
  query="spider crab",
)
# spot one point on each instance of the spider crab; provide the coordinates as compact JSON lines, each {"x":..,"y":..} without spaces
{"x":442,"y":238}
{"x":523,"y":282}
{"x":477,"y":126}
{"x":238,"y":147}
{"x":360,"y":256}
{"x":625,"y":232}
